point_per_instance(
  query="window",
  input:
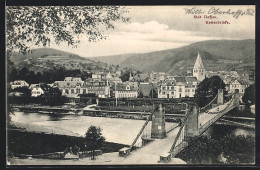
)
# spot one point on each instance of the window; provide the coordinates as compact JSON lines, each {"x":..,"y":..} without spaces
{"x":72,"y":90}
{"x":84,"y":91}
{"x":180,"y":89}
{"x":78,"y":90}
{"x":163,"y":93}
{"x":66,"y":91}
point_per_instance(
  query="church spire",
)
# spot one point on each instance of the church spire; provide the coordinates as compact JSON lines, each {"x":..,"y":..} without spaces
{"x":198,"y":63}
{"x":198,"y":70}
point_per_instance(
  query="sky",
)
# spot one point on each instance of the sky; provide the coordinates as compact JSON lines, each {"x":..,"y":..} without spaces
{"x":155,"y":28}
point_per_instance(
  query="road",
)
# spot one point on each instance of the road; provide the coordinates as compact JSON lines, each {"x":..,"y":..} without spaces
{"x":205,"y":117}
{"x":150,"y":154}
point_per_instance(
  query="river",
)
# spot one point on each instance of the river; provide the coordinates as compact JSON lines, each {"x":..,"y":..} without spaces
{"x":115,"y":130}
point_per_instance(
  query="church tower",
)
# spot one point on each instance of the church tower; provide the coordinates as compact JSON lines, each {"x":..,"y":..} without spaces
{"x":198,"y":69}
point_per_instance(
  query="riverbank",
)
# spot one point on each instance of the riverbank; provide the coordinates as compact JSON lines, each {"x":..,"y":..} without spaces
{"x":22,"y":143}
{"x":66,"y":110}
{"x":104,"y":159}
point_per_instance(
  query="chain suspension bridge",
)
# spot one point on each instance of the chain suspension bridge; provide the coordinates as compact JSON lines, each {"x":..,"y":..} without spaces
{"x":157,"y":142}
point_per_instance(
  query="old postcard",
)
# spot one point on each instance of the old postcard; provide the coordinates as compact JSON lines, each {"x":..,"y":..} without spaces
{"x":130,"y":85}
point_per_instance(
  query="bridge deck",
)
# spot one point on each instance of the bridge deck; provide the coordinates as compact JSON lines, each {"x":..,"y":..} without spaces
{"x":149,"y":154}
{"x":205,"y":117}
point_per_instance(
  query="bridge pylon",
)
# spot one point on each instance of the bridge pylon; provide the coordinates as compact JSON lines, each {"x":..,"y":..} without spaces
{"x":192,"y":125}
{"x":158,"y":123}
{"x":236,"y":98}
{"x":220,"y":98}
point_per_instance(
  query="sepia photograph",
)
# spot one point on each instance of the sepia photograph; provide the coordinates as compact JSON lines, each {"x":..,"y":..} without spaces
{"x":130,"y":85}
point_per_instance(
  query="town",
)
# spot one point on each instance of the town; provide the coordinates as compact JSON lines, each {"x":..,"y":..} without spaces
{"x":130,"y":85}
{"x":155,"y":85}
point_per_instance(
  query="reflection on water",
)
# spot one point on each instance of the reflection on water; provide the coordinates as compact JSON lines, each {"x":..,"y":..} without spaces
{"x":114,"y":130}
{"x":217,"y":131}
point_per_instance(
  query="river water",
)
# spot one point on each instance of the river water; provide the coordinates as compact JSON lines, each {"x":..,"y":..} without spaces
{"x":115,"y":130}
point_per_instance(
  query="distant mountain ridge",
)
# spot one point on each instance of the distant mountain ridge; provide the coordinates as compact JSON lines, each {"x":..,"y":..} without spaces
{"x":113,"y":59}
{"x":39,"y":52}
{"x":222,"y":54}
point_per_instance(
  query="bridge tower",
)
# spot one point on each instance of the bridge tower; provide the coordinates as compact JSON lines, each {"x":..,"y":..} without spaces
{"x":220,"y":99}
{"x":192,"y":125}
{"x":158,"y":123}
{"x":236,"y":98}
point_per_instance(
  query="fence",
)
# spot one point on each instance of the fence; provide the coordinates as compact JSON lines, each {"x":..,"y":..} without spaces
{"x":218,"y":115}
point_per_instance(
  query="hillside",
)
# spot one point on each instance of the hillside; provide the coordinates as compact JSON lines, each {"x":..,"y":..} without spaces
{"x":216,"y":54}
{"x":113,"y":59}
{"x":39,"y":52}
{"x":43,"y":59}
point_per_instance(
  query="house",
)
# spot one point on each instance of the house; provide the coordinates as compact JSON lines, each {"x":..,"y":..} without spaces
{"x":99,"y":87}
{"x":178,"y":87}
{"x":239,"y":85}
{"x":166,"y":89}
{"x":157,"y":76}
{"x":19,"y":83}
{"x":191,"y":86}
{"x":126,"y":90}
{"x":38,"y":90}
{"x":71,"y":85}
{"x":73,"y":79}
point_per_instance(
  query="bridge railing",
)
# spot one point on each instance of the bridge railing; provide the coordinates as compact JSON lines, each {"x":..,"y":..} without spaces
{"x":180,"y":135}
{"x":215,"y":118}
{"x":140,"y":132}
{"x":203,"y":108}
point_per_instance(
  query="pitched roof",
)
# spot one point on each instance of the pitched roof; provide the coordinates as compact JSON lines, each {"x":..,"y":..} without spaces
{"x":67,"y":84}
{"x":180,"y":79}
{"x":243,"y":82}
{"x":32,"y":86}
{"x":191,"y":79}
{"x":198,"y":62}
{"x":72,"y":79}
{"x":122,"y":87}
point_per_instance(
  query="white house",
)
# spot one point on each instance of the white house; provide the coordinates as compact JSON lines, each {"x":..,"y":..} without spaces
{"x":37,"y":91}
{"x":19,"y":83}
{"x":71,"y":85}
{"x":239,"y":85}
{"x":125,"y":90}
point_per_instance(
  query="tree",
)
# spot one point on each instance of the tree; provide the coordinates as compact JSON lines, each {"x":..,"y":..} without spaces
{"x":94,"y":139}
{"x":208,"y":89}
{"x":52,"y":96}
{"x":238,"y":149}
{"x":125,"y":76}
{"x":39,"y":25}
{"x":24,"y":90}
{"x":153,"y":93}
{"x":249,"y":96}
{"x":30,"y":26}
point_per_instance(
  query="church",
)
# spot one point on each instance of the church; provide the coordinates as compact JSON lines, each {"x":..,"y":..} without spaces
{"x":183,"y":86}
{"x":199,"y":70}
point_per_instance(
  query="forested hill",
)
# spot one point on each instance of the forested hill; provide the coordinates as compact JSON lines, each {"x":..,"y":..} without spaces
{"x":216,"y":54}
